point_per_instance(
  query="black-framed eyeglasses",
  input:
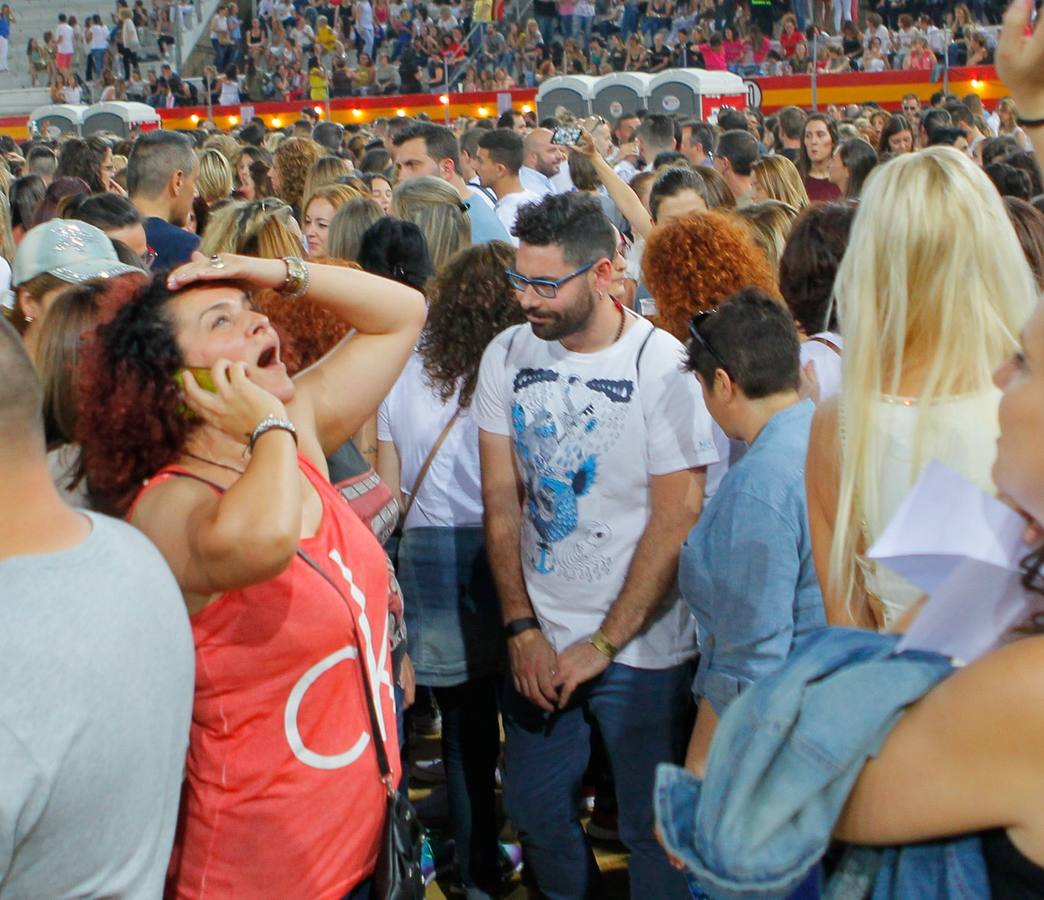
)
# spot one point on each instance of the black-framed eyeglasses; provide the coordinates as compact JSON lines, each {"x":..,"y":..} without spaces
{"x":695,"y":323}
{"x":544,"y":287}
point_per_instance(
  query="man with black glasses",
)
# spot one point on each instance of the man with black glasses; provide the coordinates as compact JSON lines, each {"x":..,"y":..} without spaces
{"x":586,"y":416}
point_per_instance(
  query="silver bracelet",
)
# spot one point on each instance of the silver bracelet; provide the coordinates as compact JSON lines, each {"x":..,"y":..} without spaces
{"x":271,"y":423}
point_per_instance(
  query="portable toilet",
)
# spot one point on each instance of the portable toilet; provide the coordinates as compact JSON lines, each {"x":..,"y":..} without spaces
{"x":620,"y":93}
{"x":56,"y":119}
{"x":121,"y":117}
{"x":571,"y":93}
{"x":696,"y":93}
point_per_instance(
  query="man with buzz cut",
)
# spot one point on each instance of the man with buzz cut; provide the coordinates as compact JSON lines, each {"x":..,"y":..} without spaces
{"x":594,"y":446}
{"x":161,"y":182}
{"x":429,"y":149}
{"x":97,"y":666}
{"x":500,"y":157}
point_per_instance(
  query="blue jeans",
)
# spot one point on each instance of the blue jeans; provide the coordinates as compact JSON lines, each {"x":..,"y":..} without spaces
{"x":645,"y":717}
{"x":582,"y":26}
{"x":546,"y":24}
{"x":470,"y":748}
{"x":630,"y":20}
{"x":450,"y":603}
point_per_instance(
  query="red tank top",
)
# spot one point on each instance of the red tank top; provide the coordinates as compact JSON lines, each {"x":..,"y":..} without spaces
{"x":283,"y":796}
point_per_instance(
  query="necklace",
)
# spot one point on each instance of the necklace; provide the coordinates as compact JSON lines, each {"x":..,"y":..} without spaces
{"x":213,"y":463}
{"x":623,"y":320}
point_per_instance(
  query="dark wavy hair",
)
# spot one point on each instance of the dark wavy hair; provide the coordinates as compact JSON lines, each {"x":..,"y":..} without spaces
{"x":82,"y":158}
{"x":807,"y":269}
{"x":129,"y":418}
{"x":804,"y":164}
{"x":472,"y":301}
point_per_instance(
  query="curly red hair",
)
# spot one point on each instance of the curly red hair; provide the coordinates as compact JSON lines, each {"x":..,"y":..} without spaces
{"x":129,"y":421}
{"x":694,"y":264}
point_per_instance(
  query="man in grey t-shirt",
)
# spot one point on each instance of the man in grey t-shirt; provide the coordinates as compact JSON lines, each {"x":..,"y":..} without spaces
{"x":96,"y":663}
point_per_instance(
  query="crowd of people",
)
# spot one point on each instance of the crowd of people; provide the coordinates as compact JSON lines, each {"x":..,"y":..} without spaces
{"x":317,"y":50}
{"x":566,"y":439}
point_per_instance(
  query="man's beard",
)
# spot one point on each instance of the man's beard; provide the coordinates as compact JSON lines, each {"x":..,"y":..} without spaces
{"x":553,"y":326}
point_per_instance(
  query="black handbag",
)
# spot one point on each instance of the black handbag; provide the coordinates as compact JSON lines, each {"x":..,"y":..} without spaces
{"x":398,"y":874}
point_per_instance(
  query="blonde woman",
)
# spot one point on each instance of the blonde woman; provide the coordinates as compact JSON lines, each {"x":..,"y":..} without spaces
{"x":927,"y":312}
{"x":777,"y":178}
{"x":215,"y":177}
{"x":769,"y":222}
{"x":325,"y":170}
{"x":434,"y":206}
{"x":1007,"y":124}
{"x":320,"y":207}
{"x":263,"y":228}
{"x":348,"y":226}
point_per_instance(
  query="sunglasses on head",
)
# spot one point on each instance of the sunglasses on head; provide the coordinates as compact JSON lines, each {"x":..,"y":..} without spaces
{"x":695,"y":323}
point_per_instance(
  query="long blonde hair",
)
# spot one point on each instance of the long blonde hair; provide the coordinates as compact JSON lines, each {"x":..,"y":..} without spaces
{"x":436,"y":209}
{"x":933,"y":281}
{"x":779,"y":178}
{"x":258,"y":228}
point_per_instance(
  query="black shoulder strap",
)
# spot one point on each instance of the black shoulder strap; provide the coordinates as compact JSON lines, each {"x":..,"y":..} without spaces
{"x":375,"y":727}
{"x":180,"y":473}
{"x":641,"y":350}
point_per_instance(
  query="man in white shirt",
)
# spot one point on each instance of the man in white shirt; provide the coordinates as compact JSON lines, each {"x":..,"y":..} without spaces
{"x":500,"y":156}
{"x":585,"y":414}
{"x":543,"y":161}
{"x":65,"y":38}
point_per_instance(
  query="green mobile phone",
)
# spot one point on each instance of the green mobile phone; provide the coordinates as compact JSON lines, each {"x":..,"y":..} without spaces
{"x":202,"y":375}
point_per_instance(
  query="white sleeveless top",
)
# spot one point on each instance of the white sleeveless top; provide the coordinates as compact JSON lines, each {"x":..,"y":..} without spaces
{"x":960,"y":432}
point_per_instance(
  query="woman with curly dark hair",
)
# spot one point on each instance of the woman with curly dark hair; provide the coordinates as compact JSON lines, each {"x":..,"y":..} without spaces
{"x":190,"y":427}
{"x":428,"y":453}
{"x":88,"y":158}
{"x":293,"y":160}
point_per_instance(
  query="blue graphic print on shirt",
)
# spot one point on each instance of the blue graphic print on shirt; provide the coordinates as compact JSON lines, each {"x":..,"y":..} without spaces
{"x":562,"y":425}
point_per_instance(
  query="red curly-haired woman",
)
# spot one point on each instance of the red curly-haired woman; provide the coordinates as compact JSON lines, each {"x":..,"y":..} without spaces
{"x":694,"y":264}
{"x":286,"y":588}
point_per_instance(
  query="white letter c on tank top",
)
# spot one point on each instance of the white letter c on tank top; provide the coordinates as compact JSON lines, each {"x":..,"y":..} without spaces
{"x":293,"y":705}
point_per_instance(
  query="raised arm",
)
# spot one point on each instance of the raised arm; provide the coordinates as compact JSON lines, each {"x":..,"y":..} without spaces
{"x":626,"y":200}
{"x":1020,"y":64}
{"x":340,"y":392}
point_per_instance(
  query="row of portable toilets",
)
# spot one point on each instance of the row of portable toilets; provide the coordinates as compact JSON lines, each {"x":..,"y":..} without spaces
{"x":688,"y":93}
{"x":118,"y":117}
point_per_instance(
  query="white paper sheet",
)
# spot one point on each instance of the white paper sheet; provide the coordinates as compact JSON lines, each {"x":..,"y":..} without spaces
{"x":963,"y":548}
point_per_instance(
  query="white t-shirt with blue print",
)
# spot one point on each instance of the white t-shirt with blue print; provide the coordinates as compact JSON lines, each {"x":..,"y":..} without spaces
{"x":589,"y":429}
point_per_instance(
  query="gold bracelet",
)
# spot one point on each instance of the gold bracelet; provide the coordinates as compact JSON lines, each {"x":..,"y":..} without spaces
{"x":296,"y":283}
{"x":603,"y":645}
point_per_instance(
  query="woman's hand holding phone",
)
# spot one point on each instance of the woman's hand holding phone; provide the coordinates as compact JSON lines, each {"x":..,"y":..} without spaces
{"x":237,"y":404}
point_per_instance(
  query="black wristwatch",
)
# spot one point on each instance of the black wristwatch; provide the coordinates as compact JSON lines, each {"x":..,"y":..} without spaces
{"x":516,"y":626}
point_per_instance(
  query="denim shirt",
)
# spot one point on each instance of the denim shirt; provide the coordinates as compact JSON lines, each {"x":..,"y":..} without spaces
{"x":746,"y":568}
{"x":782,"y":764}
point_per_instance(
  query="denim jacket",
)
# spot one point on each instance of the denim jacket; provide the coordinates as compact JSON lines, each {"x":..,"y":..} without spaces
{"x":782,"y":764}
{"x":746,"y":568}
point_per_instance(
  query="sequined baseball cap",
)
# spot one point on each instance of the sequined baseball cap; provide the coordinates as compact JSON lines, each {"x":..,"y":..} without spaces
{"x":67,"y":249}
